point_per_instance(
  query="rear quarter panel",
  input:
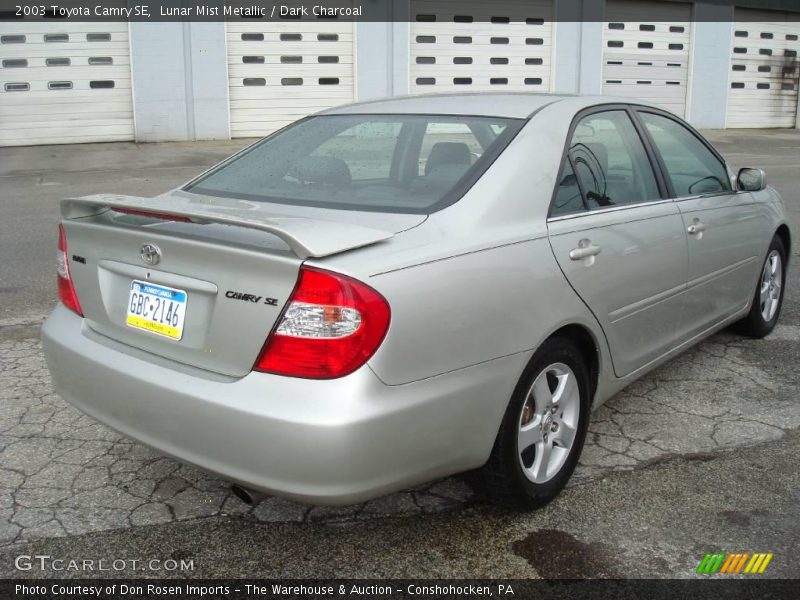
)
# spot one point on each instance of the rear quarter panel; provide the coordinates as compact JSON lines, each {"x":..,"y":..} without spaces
{"x":468,"y":309}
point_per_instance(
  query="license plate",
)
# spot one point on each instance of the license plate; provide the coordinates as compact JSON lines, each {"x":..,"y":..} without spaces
{"x":157,"y":309}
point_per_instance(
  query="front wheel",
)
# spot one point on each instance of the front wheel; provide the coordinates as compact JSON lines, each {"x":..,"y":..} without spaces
{"x":768,"y":295}
{"x":543,"y":430}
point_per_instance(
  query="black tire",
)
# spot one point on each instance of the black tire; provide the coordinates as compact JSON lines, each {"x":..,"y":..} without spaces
{"x":754,"y":324}
{"x":502,"y":479}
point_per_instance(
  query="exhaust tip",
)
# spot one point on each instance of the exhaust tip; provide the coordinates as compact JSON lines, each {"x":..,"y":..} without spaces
{"x":243,"y":494}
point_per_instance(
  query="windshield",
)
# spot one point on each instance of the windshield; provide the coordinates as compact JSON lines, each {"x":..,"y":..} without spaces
{"x":389,"y":163}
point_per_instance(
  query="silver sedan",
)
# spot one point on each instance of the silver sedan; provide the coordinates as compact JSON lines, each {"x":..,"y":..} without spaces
{"x":394,"y":291}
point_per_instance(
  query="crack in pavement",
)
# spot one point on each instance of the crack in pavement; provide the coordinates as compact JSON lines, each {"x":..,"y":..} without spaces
{"x":62,"y":473}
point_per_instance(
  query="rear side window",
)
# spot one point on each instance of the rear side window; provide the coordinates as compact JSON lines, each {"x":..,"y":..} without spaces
{"x":568,"y":197}
{"x":389,"y":163}
{"x":691,"y":167}
{"x":610,"y":163}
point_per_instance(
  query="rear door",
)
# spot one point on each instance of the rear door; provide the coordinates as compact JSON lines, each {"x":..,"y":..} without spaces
{"x":725,"y":229}
{"x":620,"y":244}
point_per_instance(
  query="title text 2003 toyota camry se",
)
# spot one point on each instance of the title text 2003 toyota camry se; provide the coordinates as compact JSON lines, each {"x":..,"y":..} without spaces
{"x":394,"y":291}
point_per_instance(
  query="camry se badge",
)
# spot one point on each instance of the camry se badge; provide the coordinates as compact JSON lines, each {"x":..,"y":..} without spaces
{"x":151,"y":254}
{"x":250,"y":298}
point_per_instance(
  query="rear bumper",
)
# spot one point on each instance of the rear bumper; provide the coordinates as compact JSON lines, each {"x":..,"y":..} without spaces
{"x":322,"y":442}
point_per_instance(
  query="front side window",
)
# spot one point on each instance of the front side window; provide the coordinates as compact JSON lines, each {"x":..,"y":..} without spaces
{"x":610,"y":162}
{"x":389,"y":163}
{"x":691,"y":167}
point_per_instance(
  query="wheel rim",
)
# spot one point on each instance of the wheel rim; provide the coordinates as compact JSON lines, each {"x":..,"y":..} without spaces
{"x":771,"y":283}
{"x":548,"y":423}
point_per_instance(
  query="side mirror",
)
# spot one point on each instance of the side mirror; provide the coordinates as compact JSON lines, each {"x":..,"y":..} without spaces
{"x":751,"y":180}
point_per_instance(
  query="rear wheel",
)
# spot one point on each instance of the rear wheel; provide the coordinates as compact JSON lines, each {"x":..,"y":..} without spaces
{"x":543,"y":430}
{"x":768,"y":295}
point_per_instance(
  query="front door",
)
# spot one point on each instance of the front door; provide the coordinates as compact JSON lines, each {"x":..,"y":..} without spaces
{"x":619,"y":243}
{"x":724,"y":229}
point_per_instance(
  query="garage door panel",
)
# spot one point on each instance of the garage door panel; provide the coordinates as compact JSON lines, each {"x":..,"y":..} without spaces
{"x":118,"y":49}
{"x":765,"y":74}
{"x":310,"y":87}
{"x":53,"y":112}
{"x":647,"y":59}
{"x":651,"y":92}
{"x":72,"y":73}
{"x":461,"y":46}
{"x":297,"y":58}
{"x":647,"y":72}
{"x":240,"y":100}
{"x":65,"y":134}
{"x":444,"y":70}
{"x":277,"y":48}
{"x":742,"y":121}
{"x":64,"y":82}
{"x":473,"y":34}
{"x":482,"y":84}
{"x":60,"y":123}
{"x":299,"y":70}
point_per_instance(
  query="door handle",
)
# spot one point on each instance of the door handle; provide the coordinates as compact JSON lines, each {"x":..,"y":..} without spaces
{"x":585,"y":250}
{"x":696,"y":227}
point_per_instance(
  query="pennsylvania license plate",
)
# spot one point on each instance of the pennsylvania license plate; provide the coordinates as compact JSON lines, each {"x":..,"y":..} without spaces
{"x":157,"y":309}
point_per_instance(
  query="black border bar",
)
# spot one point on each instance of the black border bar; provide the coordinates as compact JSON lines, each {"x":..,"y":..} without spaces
{"x":496,"y":11}
{"x":730,"y":588}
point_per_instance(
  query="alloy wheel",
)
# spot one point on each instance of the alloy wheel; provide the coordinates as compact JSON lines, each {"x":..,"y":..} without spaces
{"x":548,"y":422}
{"x":771,"y":282}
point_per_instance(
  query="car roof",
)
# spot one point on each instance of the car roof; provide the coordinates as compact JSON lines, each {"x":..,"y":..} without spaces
{"x":519,"y":105}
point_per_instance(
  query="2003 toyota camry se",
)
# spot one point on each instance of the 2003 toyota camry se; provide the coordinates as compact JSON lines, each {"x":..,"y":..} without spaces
{"x":393,"y":291}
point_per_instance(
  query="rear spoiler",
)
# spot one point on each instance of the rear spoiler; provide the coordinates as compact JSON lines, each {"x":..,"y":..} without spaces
{"x":308,"y":238}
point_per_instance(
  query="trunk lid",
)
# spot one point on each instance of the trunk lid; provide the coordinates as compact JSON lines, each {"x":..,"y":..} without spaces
{"x":236,"y":261}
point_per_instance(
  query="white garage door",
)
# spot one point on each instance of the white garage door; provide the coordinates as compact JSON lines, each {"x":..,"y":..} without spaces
{"x":64,"y":83}
{"x":279,"y":72}
{"x":764,"y":70}
{"x":460,"y":45}
{"x":646,"y":52}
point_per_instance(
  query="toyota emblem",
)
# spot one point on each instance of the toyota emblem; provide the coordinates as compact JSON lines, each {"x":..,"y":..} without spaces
{"x":151,"y":254}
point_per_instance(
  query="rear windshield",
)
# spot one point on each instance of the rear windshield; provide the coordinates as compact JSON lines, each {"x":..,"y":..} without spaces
{"x":388,"y":163}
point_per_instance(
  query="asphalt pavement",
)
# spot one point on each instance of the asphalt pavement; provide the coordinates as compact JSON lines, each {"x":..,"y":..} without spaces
{"x":699,"y":456}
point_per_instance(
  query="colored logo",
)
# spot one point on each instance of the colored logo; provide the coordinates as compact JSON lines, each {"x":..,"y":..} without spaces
{"x":734,"y":563}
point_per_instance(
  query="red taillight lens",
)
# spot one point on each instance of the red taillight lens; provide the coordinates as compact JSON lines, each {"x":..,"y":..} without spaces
{"x":330,"y":327}
{"x":66,"y":291}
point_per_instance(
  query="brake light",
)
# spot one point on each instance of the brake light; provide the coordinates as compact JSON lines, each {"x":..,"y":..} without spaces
{"x":330,"y":327}
{"x":66,"y":290}
{"x":152,"y":215}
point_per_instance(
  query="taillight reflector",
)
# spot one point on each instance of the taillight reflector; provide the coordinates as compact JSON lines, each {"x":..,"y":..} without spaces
{"x":66,"y":289}
{"x":330,"y":327}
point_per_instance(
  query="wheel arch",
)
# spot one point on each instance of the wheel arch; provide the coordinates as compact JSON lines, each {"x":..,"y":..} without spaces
{"x":589,"y":347}
{"x":786,"y":237}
